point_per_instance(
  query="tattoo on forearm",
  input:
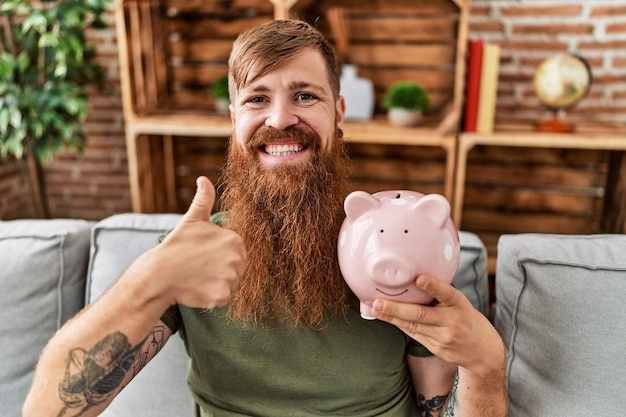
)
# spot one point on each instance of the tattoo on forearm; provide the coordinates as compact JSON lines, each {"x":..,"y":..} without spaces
{"x":93,"y":376}
{"x":440,"y":405}
{"x":156,"y":344}
{"x":432,"y":407}
{"x":452,"y":400}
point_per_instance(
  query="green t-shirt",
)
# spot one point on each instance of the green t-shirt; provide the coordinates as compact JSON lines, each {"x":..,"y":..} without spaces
{"x":350,"y":367}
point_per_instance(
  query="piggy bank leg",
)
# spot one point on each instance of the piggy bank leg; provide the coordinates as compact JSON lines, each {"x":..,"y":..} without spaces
{"x":366,"y":310}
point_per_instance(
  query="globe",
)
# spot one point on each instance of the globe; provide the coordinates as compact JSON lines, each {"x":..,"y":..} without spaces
{"x":562,"y":80}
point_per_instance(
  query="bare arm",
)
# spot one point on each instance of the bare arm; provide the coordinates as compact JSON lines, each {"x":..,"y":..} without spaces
{"x":433,"y":382}
{"x":93,"y":376}
{"x":93,"y":356}
{"x":98,"y":352}
{"x":458,"y":334}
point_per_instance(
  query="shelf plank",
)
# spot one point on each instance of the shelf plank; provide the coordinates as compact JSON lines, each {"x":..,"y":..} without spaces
{"x":586,"y":136}
{"x":377,"y":130}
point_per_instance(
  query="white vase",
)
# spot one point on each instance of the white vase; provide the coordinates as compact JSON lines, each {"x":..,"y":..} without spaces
{"x":399,"y":116}
{"x":358,"y":94}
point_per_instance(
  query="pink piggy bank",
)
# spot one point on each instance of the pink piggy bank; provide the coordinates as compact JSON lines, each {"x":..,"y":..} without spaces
{"x":389,"y":238}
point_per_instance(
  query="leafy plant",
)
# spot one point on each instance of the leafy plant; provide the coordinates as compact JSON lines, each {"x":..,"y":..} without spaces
{"x":45,"y":67}
{"x":219,"y":89}
{"x":408,"y":95}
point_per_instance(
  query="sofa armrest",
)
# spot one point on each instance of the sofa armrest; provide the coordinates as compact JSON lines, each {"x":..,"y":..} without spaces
{"x":471,"y":277}
{"x":560,"y":310}
{"x":43,"y":264}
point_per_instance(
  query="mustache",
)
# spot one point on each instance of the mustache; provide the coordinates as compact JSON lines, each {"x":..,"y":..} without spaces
{"x":290,"y":134}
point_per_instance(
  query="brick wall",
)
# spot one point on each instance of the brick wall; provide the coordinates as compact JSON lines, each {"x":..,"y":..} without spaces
{"x":95,"y":185}
{"x":528,"y":31}
{"x":13,"y":202}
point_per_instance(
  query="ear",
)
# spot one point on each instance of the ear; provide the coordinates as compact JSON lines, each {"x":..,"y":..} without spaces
{"x":231,"y":110}
{"x":358,"y":203}
{"x":340,"y":111}
{"x":434,"y":207}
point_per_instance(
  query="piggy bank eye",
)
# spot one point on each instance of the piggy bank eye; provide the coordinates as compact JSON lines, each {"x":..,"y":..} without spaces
{"x":406,"y":231}
{"x":382,"y":230}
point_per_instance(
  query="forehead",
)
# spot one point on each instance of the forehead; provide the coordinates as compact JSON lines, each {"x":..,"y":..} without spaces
{"x":305,"y":67}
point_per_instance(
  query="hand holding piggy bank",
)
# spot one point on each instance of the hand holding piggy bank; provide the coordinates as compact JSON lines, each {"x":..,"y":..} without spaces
{"x":389,"y":238}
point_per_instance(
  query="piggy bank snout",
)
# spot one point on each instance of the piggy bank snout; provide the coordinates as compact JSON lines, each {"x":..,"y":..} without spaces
{"x":391,"y":269}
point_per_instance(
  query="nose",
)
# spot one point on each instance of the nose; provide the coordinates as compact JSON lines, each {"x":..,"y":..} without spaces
{"x":281,"y":116}
{"x":390,"y":269}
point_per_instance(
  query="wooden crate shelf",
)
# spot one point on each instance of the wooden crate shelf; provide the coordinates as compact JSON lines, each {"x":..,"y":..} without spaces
{"x":517,"y":180}
{"x":171,"y":52}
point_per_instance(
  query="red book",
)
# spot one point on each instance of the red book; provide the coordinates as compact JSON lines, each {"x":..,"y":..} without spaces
{"x":472,"y":84}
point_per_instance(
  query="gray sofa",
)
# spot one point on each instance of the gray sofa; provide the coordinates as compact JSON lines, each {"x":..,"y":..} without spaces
{"x":560,"y":308}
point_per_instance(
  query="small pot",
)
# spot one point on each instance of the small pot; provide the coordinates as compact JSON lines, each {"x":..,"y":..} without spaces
{"x":399,"y":116}
{"x":221,"y":105}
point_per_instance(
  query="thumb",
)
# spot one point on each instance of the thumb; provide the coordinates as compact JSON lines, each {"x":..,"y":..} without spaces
{"x":442,"y":292}
{"x":202,"y":204}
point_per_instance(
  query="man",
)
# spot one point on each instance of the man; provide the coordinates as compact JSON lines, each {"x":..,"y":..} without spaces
{"x":284,"y":337}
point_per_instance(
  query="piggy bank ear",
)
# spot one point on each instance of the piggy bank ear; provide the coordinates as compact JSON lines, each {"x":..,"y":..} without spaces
{"x":359,"y":202}
{"x":434,"y":207}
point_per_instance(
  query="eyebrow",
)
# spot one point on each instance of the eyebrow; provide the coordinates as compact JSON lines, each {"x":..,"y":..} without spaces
{"x":303,"y":85}
{"x":295,"y":85}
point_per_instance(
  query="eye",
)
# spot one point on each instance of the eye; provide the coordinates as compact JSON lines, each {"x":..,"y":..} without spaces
{"x":305,"y":97}
{"x":382,"y":230}
{"x":256,"y":99}
{"x":406,"y":231}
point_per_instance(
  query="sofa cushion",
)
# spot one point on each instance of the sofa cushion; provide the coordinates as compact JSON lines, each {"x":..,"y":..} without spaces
{"x":560,"y":309}
{"x":160,"y":389}
{"x":471,"y":277}
{"x":43,"y":264}
{"x":117,"y":241}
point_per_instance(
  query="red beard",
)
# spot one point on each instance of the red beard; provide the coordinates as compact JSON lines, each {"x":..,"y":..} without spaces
{"x":289,"y":217}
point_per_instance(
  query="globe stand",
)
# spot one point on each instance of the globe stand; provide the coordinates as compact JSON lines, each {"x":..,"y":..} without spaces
{"x":554,"y":125}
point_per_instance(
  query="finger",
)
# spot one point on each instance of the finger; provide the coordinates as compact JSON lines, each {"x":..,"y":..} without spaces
{"x":407,"y":314}
{"x":400,"y":314}
{"x":422,"y":323}
{"x":442,"y":292}
{"x":202,"y":204}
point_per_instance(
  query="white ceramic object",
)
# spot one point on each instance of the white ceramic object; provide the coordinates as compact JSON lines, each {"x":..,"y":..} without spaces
{"x":221,"y":105}
{"x":399,"y":116}
{"x":358,"y":93}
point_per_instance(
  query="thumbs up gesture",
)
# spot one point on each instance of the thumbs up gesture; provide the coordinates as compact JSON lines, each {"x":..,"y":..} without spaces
{"x":199,"y":264}
{"x":202,"y":204}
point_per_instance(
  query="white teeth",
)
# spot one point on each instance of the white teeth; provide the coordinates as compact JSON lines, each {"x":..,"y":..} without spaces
{"x":283,"y":150}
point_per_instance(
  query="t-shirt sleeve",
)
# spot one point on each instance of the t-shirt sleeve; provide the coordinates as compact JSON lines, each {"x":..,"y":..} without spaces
{"x":172,"y":318}
{"x":415,"y":348}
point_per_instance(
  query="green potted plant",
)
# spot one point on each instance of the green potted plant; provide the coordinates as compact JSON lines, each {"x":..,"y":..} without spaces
{"x":405,"y":101}
{"x":45,"y":67}
{"x":220,"y":94}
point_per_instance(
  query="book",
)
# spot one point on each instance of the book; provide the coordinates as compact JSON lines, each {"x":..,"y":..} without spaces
{"x":488,"y":90}
{"x":472,"y":84}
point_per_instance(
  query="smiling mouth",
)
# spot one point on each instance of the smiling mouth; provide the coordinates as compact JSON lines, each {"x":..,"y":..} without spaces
{"x":392,"y":295}
{"x":283,"y":150}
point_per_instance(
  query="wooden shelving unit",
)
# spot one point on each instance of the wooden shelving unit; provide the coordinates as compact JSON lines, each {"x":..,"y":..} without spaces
{"x":521,"y":181}
{"x":164,"y":62}
{"x":588,"y":136}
